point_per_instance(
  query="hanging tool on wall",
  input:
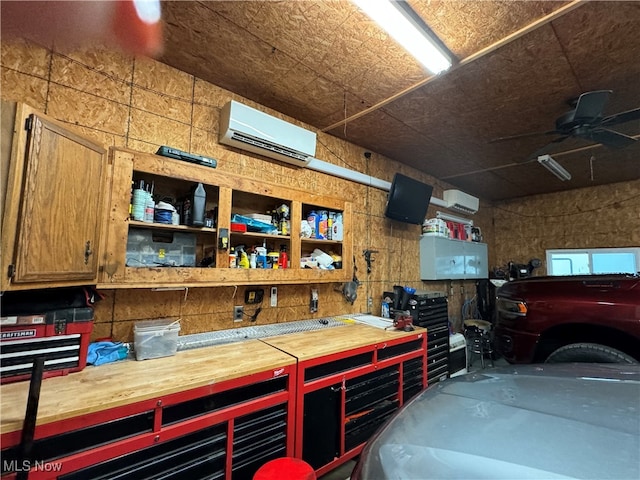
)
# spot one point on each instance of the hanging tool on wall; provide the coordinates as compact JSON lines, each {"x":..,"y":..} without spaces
{"x":349,"y":289}
{"x":367,"y":258}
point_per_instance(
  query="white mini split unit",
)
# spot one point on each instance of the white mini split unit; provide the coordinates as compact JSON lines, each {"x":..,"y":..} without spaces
{"x":460,"y":201}
{"x":250,"y":129}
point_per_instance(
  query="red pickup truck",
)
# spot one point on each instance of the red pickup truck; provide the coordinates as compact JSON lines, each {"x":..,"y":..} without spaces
{"x":591,"y":318}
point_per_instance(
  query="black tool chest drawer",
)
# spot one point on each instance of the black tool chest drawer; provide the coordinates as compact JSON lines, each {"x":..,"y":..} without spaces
{"x":412,"y":375}
{"x":258,"y":438}
{"x":367,"y":390}
{"x":431,"y":312}
{"x":197,"y":455}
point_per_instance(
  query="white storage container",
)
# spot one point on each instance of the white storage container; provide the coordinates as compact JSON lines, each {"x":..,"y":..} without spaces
{"x":147,"y":248}
{"x":156,"y":338}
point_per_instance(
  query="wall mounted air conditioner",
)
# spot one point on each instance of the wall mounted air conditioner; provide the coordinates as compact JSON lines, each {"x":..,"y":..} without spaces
{"x":460,"y":201}
{"x":250,"y":129}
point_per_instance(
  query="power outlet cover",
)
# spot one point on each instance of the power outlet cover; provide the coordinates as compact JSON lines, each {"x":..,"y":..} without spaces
{"x":238,"y":311}
{"x":254,"y":295}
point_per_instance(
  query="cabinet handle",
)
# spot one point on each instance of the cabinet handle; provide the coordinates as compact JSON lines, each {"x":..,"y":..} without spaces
{"x":87,"y":252}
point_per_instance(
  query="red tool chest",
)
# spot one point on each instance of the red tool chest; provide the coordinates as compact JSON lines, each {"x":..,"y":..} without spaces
{"x":60,"y":336}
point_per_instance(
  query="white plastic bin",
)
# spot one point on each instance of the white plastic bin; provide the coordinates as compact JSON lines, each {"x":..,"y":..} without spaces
{"x":156,"y":338}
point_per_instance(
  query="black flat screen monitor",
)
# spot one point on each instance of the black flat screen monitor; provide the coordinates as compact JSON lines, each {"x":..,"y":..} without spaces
{"x":408,"y":200}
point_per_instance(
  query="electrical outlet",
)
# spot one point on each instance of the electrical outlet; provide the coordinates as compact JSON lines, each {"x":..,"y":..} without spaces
{"x":370,"y":302}
{"x":274,"y":296}
{"x":253,"y":295}
{"x":238,"y":312}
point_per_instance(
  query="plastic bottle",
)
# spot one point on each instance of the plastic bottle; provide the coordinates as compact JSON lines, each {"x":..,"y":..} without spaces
{"x":186,"y":212}
{"x":312,"y":218}
{"x":252,"y":260}
{"x":233,"y":259}
{"x":149,"y":208}
{"x":198,"y":205}
{"x":243,"y":258}
{"x":338,"y":228}
{"x":321,"y":228}
{"x":283,"y":258}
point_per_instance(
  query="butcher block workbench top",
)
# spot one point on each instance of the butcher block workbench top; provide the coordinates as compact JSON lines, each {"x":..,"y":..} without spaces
{"x":121,"y":383}
{"x":113,"y":385}
{"x":318,"y":343}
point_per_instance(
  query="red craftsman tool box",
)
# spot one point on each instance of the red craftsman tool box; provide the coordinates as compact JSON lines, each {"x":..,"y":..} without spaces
{"x":60,"y":336}
{"x":55,"y":325}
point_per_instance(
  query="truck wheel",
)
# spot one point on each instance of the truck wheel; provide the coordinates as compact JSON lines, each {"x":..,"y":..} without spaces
{"x":589,"y":352}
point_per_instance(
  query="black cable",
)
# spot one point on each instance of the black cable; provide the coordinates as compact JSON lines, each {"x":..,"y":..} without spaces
{"x":255,"y":314}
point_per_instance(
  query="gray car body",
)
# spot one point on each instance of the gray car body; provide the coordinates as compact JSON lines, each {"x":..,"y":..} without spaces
{"x":518,"y":422}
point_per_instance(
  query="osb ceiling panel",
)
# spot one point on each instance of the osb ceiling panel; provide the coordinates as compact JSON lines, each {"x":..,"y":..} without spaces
{"x":322,"y":62}
{"x":468,"y":26}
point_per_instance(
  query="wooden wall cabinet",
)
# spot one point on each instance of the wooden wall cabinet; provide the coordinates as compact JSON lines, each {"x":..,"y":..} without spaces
{"x":53,"y":202}
{"x":226,"y":195}
{"x":448,"y":259}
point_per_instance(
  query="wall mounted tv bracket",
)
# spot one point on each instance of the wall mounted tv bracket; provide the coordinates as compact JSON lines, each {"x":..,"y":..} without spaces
{"x":187,"y":157}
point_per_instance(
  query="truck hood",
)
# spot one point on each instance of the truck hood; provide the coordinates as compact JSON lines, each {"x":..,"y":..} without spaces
{"x":518,"y":422}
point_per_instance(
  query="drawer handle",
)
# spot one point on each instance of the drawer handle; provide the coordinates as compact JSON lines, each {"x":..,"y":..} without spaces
{"x":87,"y":252}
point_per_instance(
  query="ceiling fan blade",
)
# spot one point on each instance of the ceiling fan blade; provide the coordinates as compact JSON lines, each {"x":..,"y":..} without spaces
{"x":621,"y":117}
{"x":543,"y":150}
{"x":522,"y":135}
{"x":591,"y":104}
{"x":610,"y":138}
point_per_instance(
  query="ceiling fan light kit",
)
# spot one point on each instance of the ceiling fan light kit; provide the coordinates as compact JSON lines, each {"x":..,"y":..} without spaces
{"x":554,"y":167}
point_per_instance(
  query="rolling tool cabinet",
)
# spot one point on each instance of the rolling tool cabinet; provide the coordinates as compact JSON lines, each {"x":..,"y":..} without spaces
{"x":430,"y":310}
{"x":349,"y":381}
{"x":217,"y":413}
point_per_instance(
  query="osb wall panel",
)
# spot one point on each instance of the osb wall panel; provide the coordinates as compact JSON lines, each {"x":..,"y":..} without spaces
{"x":602,"y":216}
{"x":141,"y":104}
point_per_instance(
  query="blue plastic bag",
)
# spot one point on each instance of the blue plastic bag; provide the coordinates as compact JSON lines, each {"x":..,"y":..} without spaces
{"x":100,"y":353}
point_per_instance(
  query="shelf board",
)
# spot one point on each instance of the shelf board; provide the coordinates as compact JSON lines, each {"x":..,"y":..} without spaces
{"x":171,"y":227}
{"x":317,"y":240}
{"x":260,"y":235}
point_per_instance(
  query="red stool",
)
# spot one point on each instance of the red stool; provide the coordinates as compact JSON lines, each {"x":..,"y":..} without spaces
{"x":286,"y":468}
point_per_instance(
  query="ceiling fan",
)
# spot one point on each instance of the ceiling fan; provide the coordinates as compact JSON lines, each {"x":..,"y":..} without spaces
{"x":587,"y":122}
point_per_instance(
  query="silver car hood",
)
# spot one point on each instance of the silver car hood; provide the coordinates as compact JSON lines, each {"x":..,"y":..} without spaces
{"x":518,"y":422}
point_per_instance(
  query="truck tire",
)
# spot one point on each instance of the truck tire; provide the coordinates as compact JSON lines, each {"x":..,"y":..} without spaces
{"x":589,"y":352}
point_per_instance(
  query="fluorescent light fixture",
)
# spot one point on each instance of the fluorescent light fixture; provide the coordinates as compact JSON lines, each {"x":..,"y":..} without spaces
{"x":554,"y":167}
{"x":453,"y":218}
{"x":417,"y":41}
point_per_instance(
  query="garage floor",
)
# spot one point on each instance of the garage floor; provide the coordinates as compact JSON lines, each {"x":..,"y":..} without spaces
{"x":344,"y":471}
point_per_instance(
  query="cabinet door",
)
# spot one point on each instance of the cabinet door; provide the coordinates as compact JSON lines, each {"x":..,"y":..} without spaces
{"x":475,"y":260}
{"x":441,"y":258}
{"x":58,"y":225}
{"x":320,"y":431}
